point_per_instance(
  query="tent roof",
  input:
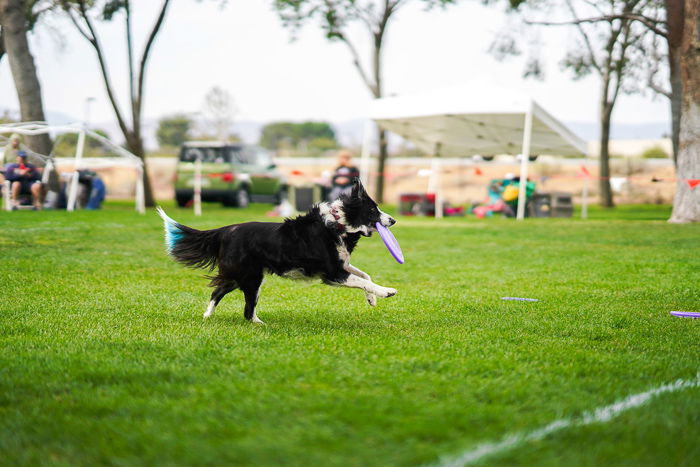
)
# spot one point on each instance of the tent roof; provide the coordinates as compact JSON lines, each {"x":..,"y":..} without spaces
{"x":474,"y":118}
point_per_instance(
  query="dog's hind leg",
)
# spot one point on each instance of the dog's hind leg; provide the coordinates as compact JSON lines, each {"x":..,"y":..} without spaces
{"x":216,"y":297}
{"x":251,"y":291}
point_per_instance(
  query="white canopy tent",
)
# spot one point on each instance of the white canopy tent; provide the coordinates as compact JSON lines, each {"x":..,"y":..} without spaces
{"x":475,"y":118}
{"x":124,"y":157}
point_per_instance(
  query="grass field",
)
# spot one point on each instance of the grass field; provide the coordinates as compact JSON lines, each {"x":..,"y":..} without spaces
{"x":105,"y":357}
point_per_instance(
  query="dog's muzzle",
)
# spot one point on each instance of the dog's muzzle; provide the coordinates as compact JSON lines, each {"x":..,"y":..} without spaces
{"x":387,"y":221}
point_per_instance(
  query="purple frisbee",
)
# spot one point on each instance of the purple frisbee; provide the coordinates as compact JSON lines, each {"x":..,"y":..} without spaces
{"x":390,"y":241}
{"x":686,"y":314}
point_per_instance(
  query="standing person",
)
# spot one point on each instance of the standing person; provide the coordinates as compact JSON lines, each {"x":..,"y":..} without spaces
{"x":25,"y":179}
{"x":344,"y":175}
{"x":12,"y":151}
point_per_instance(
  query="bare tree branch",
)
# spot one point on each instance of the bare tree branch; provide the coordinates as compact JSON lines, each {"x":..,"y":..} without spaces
{"x":651,"y":23}
{"x":69,"y":12}
{"x":144,"y":58}
{"x":358,"y":64}
{"x":658,"y":89}
{"x":94,"y":40}
{"x":619,"y":67}
{"x":2,"y":45}
{"x":654,"y":70}
{"x":587,"y":42}
{"x":363,"y":15}
{"x":129,"y":48}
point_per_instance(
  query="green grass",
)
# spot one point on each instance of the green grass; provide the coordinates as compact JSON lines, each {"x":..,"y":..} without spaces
{"x":105,"y":357}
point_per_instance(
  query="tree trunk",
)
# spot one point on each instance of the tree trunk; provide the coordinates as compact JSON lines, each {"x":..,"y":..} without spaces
{"x":676,"y":101}
{"x":135,"y":144}
{"x":14,"y":31}
{"x":686,"y":203}
{"x":674,"y":21}
{"x":382,"y":166}
{"x":378,"y":93}
{"x":2,"y":45}
{"x":606,"y":196}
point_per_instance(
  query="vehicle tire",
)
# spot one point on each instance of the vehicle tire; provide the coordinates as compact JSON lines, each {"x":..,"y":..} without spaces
{"x":242,"y":198}
{"x":182,"y":199}
{"x":281,"y":195}
{"x":239,"y":199}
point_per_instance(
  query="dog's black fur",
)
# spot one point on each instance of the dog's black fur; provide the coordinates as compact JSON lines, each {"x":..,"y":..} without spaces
{"x":312,"y":245}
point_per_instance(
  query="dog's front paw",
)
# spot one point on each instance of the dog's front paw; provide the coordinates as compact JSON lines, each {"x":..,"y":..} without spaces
{"x":387,"y":292}
{"x":371,"y":299}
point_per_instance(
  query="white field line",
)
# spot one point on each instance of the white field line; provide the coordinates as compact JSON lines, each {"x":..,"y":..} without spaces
{"x":599,"y":415}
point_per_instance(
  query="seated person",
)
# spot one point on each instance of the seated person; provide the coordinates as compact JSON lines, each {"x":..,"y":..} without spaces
{"x":344,"y":174}
{"x":25,"y":179}
{"x":511,"y":196}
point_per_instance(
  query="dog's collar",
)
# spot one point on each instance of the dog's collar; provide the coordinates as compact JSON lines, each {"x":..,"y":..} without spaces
{"x":336,"y":216}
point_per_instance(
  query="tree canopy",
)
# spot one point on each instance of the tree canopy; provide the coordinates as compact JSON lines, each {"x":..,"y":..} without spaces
{"x":293,"y":135}
{"x":174,"y":130}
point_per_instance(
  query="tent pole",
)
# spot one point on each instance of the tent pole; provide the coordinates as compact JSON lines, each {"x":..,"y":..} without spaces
{"x":527,"y":138}
{"x":584,"y":197}
{"x":73,"y":192}
{"x":140,"y":198}
{"x":437,"y":187}
{"x":364,"y":161}
{"x":198,"y":186}
{"x":6,"y":194}
{"x":47,"y":170}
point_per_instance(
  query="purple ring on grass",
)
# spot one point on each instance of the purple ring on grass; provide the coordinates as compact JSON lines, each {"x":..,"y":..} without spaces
{"x":686,"y":314}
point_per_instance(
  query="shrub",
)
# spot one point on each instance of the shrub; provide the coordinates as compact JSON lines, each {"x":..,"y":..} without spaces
{"x":655,"y":152}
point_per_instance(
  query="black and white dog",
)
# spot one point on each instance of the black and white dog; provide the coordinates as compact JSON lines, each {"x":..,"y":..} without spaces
{"x":317,"y":244}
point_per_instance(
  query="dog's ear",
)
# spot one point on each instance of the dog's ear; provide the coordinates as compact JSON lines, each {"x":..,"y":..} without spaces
{"x":357,"y":189}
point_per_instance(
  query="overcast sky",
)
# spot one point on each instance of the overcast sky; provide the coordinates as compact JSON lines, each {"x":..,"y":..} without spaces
{"x":244,"y":49}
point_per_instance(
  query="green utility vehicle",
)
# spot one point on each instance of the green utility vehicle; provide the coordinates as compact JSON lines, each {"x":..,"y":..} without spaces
{"x":233,"y":174}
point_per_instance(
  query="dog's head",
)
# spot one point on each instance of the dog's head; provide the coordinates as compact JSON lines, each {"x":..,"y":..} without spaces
{"x":360,"y":212}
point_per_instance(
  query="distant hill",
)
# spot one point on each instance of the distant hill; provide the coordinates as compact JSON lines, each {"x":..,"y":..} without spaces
{"x":590,"y":131}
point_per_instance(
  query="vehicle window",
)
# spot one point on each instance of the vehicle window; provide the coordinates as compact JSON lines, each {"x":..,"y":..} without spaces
{"x":189,"y":154}
{"x":216,"y":155}
{"x":262,"y":157}
{"x":219,"y":155}
{"x":238,"y":154}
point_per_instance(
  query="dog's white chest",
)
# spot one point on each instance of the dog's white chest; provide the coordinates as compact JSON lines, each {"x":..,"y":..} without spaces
{"x":343,"y":254}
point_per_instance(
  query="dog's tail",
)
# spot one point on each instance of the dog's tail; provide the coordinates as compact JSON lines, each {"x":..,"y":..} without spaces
{"x":192,"y":247}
